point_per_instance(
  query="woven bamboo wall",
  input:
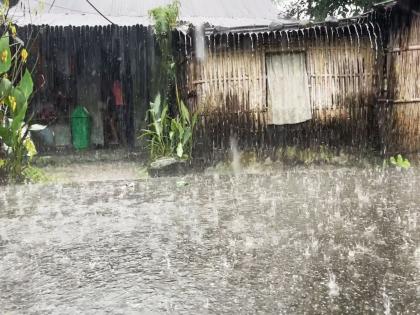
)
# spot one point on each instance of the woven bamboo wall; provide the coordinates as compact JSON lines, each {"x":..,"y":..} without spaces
{"x":402,"y":104}
{"x":231,"y":89}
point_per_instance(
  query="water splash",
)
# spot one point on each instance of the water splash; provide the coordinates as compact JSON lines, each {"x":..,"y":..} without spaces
{"x":334,"y":290}
{"x":387,"y":303}
{"x":236,"y":156}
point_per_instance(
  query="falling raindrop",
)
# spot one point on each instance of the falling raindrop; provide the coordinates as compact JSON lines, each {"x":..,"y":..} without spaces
{"x":214,"y":43}
{"x":358,"y":37}
{"x":239,"y":40}
{"x":326,"y":33}
{"x":209,"y":41}
{"x":380,"y":35}
{"x":303,"y":33}
{"x":376,"y":38}
{"x":337,"y":30}
{"x":351,"y":37}
{"x":252,"y":41}
{"x":186,"y":45}
{"x":370,"y":35}
{"x":281,"y":40}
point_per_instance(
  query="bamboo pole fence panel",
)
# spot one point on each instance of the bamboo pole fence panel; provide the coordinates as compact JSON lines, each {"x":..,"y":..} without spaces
{"x":402,"y":106}
{"x":231,"y":88}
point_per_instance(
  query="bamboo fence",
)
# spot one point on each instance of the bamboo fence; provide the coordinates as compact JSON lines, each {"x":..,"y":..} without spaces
{"x":231,"y":87}
{"x":400,"y":107}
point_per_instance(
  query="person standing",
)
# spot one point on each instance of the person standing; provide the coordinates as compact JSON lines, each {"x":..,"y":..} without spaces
{"x":119,"y":104}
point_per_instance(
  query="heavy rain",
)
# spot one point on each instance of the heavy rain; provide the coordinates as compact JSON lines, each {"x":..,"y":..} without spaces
{"x":209,"y":157}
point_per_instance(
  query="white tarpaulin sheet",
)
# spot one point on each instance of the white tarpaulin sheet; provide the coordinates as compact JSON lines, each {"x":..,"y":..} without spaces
{"x":288,"y":89}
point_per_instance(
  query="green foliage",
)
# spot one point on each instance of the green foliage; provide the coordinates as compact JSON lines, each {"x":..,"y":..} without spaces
{"x":166,"y":136}
{"x":400,"y":162}
{"x":5,"y":54}
{"x":35,"y":175}
{"x":320,"y":9}
{"x":165,"y":19}
{"x":16,"y":87}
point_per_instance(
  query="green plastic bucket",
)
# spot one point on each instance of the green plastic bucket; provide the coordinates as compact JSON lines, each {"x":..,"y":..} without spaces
{"x":81,"y":127}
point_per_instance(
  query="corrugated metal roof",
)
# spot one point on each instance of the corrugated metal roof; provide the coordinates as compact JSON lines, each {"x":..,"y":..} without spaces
{"x":130,"y":12}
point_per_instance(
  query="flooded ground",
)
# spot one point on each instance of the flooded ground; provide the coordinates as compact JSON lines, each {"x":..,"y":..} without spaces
{"x":297,"y":241}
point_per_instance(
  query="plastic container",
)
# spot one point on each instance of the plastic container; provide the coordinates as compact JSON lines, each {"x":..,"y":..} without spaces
{"x":81,"y":126}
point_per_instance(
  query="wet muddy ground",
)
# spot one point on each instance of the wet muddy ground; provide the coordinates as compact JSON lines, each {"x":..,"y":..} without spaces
{"x":299,"y":240}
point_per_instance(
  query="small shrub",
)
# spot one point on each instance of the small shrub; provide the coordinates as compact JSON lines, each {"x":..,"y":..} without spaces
{"x":400,"y":162}
{"x":167,"y":136}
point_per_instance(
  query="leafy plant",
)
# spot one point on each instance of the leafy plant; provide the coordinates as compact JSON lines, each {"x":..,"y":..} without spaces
{"x":169,"y":136}
{"x":165,"y":20}
{"x":16,"y":87}
{"x":400,"y":162}
{"x":35,"y":175}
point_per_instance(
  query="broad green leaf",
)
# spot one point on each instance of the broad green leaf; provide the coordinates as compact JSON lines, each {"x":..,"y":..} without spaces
{"x":5,"y":54}
{"x":26,"y":85}
{"x":16,"y":101}
{"x":5,"y":88}
{"x":2,"y":163}
{"x":5,"y":135}
{"x":30,"y":147}
{"x":156,"y":105}
{"x":180,"y":150}
{"x":18,"y":119}
{"x":185,"y":113}
{"x":187,"y":136}
{"x":393,"y":161}
{"x":164,"y":113}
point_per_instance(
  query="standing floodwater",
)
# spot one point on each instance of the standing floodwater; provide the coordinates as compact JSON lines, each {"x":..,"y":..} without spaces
{"x":314,"y":241}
